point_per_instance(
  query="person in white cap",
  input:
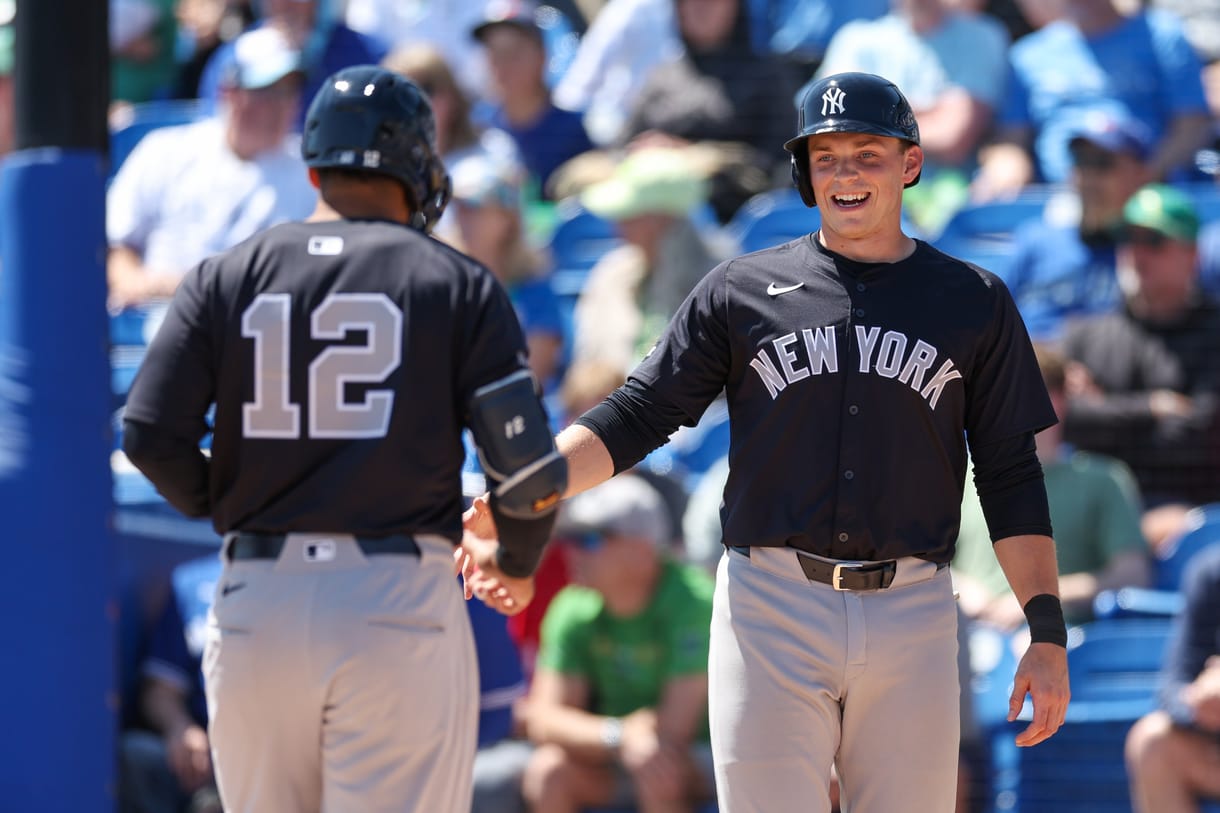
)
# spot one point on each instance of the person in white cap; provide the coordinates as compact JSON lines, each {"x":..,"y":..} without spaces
{"x":191,"y":191}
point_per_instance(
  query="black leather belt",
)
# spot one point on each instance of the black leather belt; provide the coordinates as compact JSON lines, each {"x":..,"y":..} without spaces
{"x":243,"y":545}
{"x":871,"y":576}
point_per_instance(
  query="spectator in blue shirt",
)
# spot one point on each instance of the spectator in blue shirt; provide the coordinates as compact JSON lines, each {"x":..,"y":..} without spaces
{"x":167,"y":767}
{"x":1095,"y":58}
{"x":1173,"y":754}
{"x":546,"y":135}
{"x":1064,"y":268}
{"x":325,"y":43}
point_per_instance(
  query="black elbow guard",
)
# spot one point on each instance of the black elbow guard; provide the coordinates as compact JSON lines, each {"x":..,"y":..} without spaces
{"x":527,"y":474}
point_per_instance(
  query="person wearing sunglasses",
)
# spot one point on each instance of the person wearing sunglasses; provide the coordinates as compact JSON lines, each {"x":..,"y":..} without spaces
{"x":1145,"y":386}
{"x":1062,"y":263}
{"x":618,"y":704}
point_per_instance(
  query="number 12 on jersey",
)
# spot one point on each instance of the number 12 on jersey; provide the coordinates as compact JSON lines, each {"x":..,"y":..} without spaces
{"x":272,"y":413}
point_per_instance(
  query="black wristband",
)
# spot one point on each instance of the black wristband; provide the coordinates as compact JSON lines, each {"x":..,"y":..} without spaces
{"x":1044,"y":614}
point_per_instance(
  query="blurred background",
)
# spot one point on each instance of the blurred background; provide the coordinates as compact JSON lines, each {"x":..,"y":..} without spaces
{"x":605,"y":154}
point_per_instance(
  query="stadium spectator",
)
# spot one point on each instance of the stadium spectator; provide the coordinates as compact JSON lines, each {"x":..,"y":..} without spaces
{"x":632,"y":291}
{"x":166,"y":766}
{"x":188,"y":192}
{"x":627,"y":39}
{"x":143,"y":34}
{"x":618,"y":704}
{"x":1063,"y":264}
{"x":203,"y":27}
{"x":799,"y":31}
{"x":1146,"y":388}
{"x":325,"y":44}
{"x":442,"y":24}
{"x":546,"y":135}
{"x":1095,"y":57}
{"x":502,"y":755}
{"x":1095,"y":511}
{"x":951,"y":66}
{"x":720,"y":93}
{"x":487,"y":206}
{"x":457,"y":136}
{"x":1172,"y":757}
{"x":1201,"y":24}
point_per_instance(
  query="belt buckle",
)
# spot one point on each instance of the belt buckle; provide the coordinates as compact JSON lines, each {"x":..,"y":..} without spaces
{"x":836,"y":578}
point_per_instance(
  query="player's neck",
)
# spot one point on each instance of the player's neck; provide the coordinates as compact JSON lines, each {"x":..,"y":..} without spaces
{"x":873,"y":249}
{"x":359,"y":208}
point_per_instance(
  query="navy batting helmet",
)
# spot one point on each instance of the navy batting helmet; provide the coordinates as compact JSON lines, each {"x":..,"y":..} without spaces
{"x":848,"y":103}
{"x":373,"y":120}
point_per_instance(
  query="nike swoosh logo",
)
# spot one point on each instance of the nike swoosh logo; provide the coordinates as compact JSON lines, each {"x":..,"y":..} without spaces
{"x":775,"y":290}
{"x":231,"y":588}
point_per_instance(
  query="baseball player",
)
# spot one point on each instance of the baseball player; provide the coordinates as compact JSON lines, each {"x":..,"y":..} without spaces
{"x":858,"y":364}
{"x":344,"y":355}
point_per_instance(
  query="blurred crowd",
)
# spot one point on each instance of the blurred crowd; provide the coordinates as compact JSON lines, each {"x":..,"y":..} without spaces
{"x":604,"y":155}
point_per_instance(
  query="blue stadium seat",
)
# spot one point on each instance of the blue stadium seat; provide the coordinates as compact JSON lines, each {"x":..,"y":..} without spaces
{"x":1114,"y":666}
{"x":580,"y":239}
{"x":771,"y":218}
{"x":1136,"y":601}
{"x":136,"y":121}
{"x":1203,"y":530}
{"x":1117,"y":659}
{"x":994,"y":221}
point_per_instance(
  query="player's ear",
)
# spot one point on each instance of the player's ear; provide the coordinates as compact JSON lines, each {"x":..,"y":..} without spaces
{"x":912,"y":163}
{"x":314,"y":179}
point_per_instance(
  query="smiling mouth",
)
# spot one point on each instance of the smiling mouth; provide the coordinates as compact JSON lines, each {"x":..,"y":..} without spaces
{"x":853,"y":201}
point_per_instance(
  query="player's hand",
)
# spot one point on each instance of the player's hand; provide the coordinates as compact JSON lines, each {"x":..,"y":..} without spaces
{"x":1043,"y":674}
{"x":189,"y":757}
{"x":483,"y":579}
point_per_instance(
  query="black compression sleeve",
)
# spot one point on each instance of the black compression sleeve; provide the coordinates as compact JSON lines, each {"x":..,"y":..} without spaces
{"x":631,"y":422}
{"x":174,"y":465}
{"x":522,"y":541}
{"x":1008,"y":478}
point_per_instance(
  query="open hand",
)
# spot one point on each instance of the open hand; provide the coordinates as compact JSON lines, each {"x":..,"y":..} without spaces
{"x":1043,"y":674}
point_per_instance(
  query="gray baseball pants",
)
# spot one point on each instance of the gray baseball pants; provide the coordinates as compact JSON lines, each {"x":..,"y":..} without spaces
{"x":802,"y":676}
{"x":339,"y":682}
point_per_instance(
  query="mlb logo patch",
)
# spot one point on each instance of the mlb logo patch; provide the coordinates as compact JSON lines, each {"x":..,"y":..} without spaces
{"x":322,"y":550}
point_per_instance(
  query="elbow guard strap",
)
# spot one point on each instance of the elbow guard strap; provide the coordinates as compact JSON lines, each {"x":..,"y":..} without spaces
{"x":516,"y":449}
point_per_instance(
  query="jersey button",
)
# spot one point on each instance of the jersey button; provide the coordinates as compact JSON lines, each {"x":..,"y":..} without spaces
{"x":843,"y":537}
{"x":859,"y":311}
{"x":847,"y":475}
{"x":853,"y":410}
{"x":861,"y":287}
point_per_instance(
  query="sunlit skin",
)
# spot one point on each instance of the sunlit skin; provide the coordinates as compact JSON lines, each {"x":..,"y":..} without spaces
{"x":857,"y":180}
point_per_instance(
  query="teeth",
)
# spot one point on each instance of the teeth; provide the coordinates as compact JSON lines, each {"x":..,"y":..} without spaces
{"x":850,"y":198}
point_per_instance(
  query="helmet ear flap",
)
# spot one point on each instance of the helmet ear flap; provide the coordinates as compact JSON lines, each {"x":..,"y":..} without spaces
{"x":437,"y":190}
{"x":800,"y":177}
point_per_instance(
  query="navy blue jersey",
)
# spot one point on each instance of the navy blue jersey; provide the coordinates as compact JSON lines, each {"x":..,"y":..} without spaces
{"x":853,"y":389}
{"x":340,"y":356}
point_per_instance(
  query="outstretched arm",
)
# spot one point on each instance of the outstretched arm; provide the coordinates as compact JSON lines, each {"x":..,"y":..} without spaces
{"x":589,"y":463}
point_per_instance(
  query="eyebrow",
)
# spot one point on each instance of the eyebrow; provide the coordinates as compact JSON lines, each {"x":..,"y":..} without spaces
{"x":866,"y":140}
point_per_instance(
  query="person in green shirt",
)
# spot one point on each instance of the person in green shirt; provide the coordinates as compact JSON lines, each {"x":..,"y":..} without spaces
{"x":618,"y":704}
{"x":1095,"y":510}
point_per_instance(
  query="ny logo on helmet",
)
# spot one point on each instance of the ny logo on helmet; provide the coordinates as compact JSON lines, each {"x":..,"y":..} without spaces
{"x":832,"y":101}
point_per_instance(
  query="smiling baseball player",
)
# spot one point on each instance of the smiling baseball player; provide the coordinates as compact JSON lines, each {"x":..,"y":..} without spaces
{"x":860,"y":365}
